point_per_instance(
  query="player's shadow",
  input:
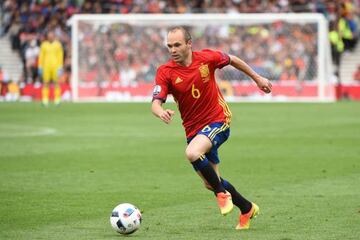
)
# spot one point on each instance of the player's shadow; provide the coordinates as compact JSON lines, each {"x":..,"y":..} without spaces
{"x":114,"y":236}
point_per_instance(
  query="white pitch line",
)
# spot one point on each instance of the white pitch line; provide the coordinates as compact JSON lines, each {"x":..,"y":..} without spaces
{"x":12,"y":131}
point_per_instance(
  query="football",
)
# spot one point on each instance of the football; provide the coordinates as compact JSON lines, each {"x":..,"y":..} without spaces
{"x":125,"y":218}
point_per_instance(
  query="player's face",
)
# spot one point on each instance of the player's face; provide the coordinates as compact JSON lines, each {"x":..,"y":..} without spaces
{"x":51,"y":36}
{"x":178,"y":48}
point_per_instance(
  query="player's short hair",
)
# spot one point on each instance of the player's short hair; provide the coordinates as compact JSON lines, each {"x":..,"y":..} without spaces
{"x":185,"y":31}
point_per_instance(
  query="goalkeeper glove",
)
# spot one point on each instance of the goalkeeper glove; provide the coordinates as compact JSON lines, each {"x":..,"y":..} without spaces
{"x":60,"y":72}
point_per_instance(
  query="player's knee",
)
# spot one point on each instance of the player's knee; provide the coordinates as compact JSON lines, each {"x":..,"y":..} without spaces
{"x":192,"y":155}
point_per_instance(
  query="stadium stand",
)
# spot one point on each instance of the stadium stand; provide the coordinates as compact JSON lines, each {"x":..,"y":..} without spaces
{"x":26,"y":23}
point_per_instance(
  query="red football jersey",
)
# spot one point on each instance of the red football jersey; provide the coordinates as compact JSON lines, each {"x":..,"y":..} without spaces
{"x":194,"y":89}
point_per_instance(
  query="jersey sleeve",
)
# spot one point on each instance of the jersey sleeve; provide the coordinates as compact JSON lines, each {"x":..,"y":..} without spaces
{"x":59,"y":55}
{"x":161,"y":89}
{"x":219,"y":59}
{"x":41,"y":55}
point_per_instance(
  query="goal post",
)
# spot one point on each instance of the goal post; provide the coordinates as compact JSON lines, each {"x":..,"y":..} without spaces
{"x":115,"y":57}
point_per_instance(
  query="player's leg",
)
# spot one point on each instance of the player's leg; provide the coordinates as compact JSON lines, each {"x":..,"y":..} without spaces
{"x":195,"y":153}
{"x":247,"y":209}
{"x":242,"y":203}
{"x":218,"y":137}
{"x":206,"y":184}
{"x":57,"y":90}
{"x":45,"y":88}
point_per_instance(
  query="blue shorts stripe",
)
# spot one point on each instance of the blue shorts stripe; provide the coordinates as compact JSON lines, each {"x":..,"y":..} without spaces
{"x":223,"y":128}
{"x":214,"y":131}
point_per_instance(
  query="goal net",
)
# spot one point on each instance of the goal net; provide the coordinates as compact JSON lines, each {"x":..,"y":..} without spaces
{"x":115,"y":57}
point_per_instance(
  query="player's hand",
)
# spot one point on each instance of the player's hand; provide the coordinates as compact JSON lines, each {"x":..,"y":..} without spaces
{"x":264,"y":84}
{"x":60,"y":72}
{"x":167,"y":115}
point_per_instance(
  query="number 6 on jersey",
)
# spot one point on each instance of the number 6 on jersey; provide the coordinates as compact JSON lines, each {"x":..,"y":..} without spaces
{"x":195,"y":92}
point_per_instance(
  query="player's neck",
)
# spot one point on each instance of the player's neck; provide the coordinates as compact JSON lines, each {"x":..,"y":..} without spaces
{"x":187,"y":62}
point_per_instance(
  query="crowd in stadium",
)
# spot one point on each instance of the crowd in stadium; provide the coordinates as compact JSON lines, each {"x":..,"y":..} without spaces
{"x":137,"y":53}
{"x":279,"y":51}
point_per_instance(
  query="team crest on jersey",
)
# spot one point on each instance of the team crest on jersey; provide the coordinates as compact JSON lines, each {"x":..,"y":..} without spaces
{"x":157,"y":90}
{"x":204,"y":72}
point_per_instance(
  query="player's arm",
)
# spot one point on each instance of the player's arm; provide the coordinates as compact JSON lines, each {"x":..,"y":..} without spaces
{"x":60,"y":55}
{"x":160,"y":93}
{"x":59,"y":59}
{"x":263,"y":83}
{"x":41,"y":58}
{"x":165,"y":115}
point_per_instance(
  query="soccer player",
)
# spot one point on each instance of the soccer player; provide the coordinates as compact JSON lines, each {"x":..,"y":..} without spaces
{"x":50,"y":67}
{"x":189,"y":77}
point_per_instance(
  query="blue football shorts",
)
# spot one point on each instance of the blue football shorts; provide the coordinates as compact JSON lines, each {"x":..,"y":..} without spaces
{"x":218,"y":133}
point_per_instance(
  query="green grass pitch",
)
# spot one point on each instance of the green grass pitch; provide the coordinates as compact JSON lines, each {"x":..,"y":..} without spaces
{"x":63,"y":169}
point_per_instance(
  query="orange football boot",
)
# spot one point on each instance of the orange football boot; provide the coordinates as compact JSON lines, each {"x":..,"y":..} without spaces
{"x":224,"y":202}
{"x":244,"y":219}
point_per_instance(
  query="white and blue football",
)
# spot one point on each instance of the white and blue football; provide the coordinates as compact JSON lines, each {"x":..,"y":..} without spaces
{"x":125,"y":218}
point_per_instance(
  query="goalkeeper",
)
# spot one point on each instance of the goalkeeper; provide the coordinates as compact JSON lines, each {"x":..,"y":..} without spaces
{"x":50,"y":67}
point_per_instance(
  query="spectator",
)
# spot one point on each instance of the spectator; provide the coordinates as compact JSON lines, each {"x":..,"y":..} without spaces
{"x":127,"y":75}
{"x":14,"y":31}
{"x":8,"y":9}
{"x":4,"y":81}
{"x":356,"y":75}
{"x":348,"y":27}
{"x":13,"y":92}
{"x":289,"y":74}
{"x":337,"y":46}
{"x":31,"y":59}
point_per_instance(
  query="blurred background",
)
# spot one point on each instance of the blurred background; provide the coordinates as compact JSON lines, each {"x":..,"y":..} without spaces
{"x":118,"y":61}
